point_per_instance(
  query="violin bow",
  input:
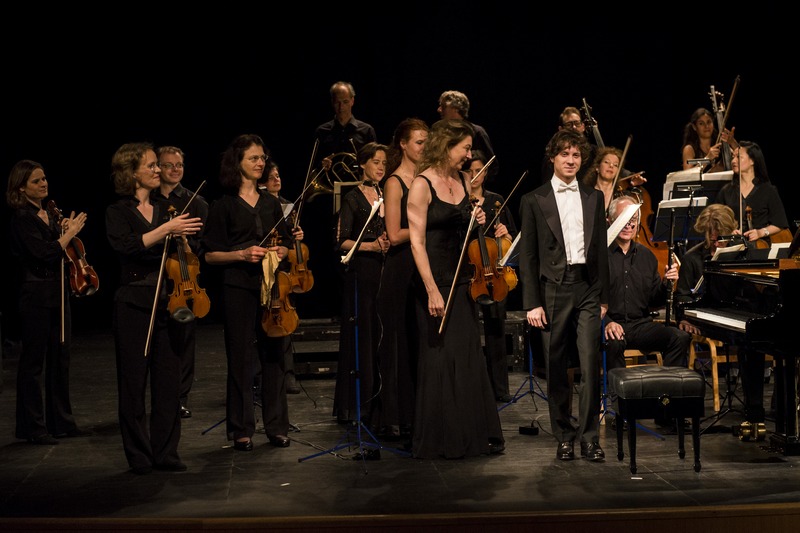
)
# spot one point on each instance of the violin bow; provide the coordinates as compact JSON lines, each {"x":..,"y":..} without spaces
{"x":621,"y":162}
{"x":308,"y":182}
{"x":194,"y":195}
{"x":506,"y":200}
{"x":375,"y":205}
{"x":167,"y":240}
{"x":455,"y":276}
{"x":482,"y":170}
{"x":728,"y":107}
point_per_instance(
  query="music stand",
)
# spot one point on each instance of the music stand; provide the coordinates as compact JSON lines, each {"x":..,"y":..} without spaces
{"x":708,"y":185}
{"x":358,"y":424}
{"x":686,"y":212}
{"x":530,"y":381}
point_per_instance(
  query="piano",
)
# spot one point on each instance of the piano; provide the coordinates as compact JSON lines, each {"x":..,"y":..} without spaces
{"x":751,"y":301}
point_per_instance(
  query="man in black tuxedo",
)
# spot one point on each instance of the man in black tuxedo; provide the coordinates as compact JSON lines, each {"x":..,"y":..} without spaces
{"x":563,"y":264}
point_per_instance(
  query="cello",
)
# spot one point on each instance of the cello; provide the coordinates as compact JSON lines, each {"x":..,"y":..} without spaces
{"x":280,"y":316}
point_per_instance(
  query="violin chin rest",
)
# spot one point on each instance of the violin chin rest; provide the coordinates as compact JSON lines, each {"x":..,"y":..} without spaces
{"x":183,"y":315}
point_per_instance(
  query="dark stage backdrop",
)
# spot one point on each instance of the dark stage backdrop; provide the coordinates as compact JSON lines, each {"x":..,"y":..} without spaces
{"x":75,"y":90}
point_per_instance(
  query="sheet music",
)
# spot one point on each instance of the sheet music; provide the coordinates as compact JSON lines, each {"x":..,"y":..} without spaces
{"x":511,"y":248}
{"x":699,"y":201}
{"x":619,"y":222}
{"x":735,"y":248}
{"x":693,"y":174}
{"x":776,"y":248}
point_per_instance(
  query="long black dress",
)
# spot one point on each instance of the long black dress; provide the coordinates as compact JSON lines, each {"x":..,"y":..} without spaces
{"x":396,"y":358}
{"x":456,"y":415}
{"x":361,"y":282}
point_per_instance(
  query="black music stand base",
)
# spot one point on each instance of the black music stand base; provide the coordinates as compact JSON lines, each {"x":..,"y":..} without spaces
{"x":366,"y":449}
{"x":530,"y":381}
{"x":730,"y":394}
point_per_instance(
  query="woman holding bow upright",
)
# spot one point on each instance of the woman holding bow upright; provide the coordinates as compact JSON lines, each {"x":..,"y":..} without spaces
{"x":239,"y":223}
{"x":137,"y":227}
{"x":456,"y":415}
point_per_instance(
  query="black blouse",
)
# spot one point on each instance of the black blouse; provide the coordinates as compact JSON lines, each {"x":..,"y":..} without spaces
{"x":234,"y":225}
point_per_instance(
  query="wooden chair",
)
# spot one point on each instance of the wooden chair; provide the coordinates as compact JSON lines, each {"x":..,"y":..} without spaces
{"x":639,"y":357}
{"x":712,"y":358}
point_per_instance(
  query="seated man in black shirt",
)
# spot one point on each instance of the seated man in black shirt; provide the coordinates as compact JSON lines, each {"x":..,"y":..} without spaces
{"x":637,"y":288}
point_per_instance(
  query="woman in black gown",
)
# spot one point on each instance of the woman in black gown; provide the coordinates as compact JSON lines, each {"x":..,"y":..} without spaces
{"x":456,"y":415}
{"x":360,"y":331}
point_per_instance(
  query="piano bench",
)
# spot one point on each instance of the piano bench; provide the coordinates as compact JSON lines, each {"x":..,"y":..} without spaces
{"x":663,"y":392}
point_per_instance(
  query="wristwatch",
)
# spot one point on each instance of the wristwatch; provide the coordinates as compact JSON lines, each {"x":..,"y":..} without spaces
{"x":766,"y":232}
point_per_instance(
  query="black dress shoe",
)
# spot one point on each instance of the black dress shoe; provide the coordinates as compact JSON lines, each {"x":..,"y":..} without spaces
{"x":496,"y":447}
{"x":243,"y":446}
{"x":172,"y":467}
{"x":281,"y":441}
{"x":45,"y":440}
{"x":592,"y":451}
{"x":185,"y":413}
{"x":566,"y":451}
{"x":504,"y":398}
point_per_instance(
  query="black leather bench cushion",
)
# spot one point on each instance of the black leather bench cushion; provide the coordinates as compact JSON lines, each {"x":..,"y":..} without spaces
{"x":651,"y":381}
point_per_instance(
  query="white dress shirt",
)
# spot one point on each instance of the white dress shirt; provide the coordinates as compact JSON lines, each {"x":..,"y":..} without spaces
{"x":570,"y":211}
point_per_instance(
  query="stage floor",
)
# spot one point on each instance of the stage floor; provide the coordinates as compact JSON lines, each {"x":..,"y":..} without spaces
{"x":84,"y":483}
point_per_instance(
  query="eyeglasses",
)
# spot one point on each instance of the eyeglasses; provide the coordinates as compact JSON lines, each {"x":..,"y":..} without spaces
{"x":170,"y":166}
{"x":573,"y":124}
{"x":256,"y":158}
{"x":631,"y":223}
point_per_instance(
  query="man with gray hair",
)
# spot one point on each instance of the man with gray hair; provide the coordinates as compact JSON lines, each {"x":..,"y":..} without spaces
{"x":455,"y":104}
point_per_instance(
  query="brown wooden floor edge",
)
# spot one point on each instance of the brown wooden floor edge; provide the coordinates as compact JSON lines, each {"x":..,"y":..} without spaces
{"x":731,"y":519}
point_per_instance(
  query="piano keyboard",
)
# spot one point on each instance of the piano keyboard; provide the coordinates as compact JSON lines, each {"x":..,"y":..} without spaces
{"x":718,"y":317}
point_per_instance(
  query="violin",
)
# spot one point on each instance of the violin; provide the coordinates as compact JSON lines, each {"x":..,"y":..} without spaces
{"x":83,"y":280}
{"x":488,"y":283}
{"x":300,"y":275}
{"x":183,"y":269}
{"x":280,"y":316}
{"x":503,"y":244}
